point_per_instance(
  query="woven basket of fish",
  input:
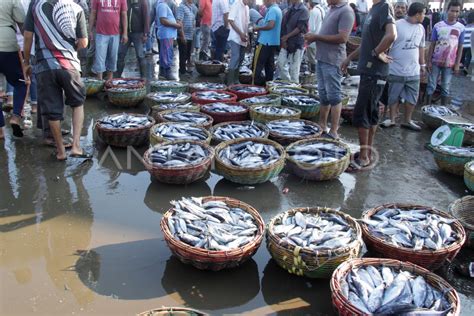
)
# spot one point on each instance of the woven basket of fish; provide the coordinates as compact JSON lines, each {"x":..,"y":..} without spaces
{"x":288,"y":90}
{"x":267,"y":113}
{"x":313,"y":241}
{"x":205,"y":97}
{"x":462,"y":209}
{"x":308,"y":104}
{"x":281,"y":83}
{"x":452,"y":159}
{"x":210,"y":68}
{"x":352,"y":44}
{"x":173,"y":311}
{"x":432,"y":115}
{"x":170,"y":131}
{"x":168,"y":86}
{"x":179,"y":161}
{"x":226,"y":112}
{"x":245,"y":91}
{"x":318,"y":159}
{"x":287,"y":131}
{"x":237,"y":130}
{"x":126,"y":97}
{"x":163,"y":97}
{"x":126,"y":83}
{"x":122,"y":130}
{"x":206,"y":86}
{"x":307,"y":77}
{"x":249,"y":160}
{"x":183,"y":116}
{"x":172,"y":106}
{"x":311,"y":87}
{"x":469,"y":175}
{"x":212,"y":233}
{"x":423,"y":235}
{"x":373,"y":286}
{"x":93,"y":85}
{"x":267,"y":99}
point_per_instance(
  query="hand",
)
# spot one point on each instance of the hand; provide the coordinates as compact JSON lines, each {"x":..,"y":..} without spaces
{"x":456,"y":69}
{"x":256,"y":28}
{"x":145,"y":38}
{"x":429,"y":66}
{"x":385,"y":58}
{"x":422,"y":71}
{"x":182,"y":40}
{"x":27,"y":73}
{"x":243,"y":38}
{"x":179,"y":25}
{"x":124,"y":39}
{"x":345,"y":63}
{"x":309,"y":38}
{"x":284,"y":38}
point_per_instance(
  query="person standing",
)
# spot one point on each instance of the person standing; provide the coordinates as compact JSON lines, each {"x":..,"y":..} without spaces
{"x":186,"y":15}
{"x":268,"y":41}
{"x":138,"y":31}
{"x":400,"y":9}
{"x":377,"y":36}
{"x":57,"y":66}
{"x":445,"y":52}
{"x":467,"y":56}
{"x":106,"y":17}
{"x":238,"y":38}
{"x":363,"y":10}
{"x":205,"y":10}
{"x":220,"y":26}
{"x":316,"y":16}
{"x":294,"y":25}
{"x":331,"y":51}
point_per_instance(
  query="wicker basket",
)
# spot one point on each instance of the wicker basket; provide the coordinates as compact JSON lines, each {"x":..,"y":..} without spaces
{"x":345,"y":308}
{"x":196,"y":99}
{"x":275,"y":100}
{"x":93,"y":85}
{"x":207,"y":125}
{"x":245,"y":77}
{"x":244,"y":95}
{"x":468,"y":136}
{"x":126,"y":99}
{"x":179,"y":175}
{"x":156,"y":109}
{"x":307,"y":111}
{"x":286,"y":140}
{"x":198,"y":86}
{"x":305,"y":261}
{"x":220,"y":117}
{"x":157,"y":139}
{"x":151,"y":101}
{"x":288,"y":90}
{"x":321,"y":171}
{"x":209,"y":69}
{"x":120,"y":137}
{"x":307,"y":78}
{"x":168,"y":86}
{"x":267,"y":117}
{"x":249,"y":175}
{"x":173,"y":311}
{"x":281,"y":83}
{"x":210,"y":259}
{"x":463,"y":209}
{"x":429,"y":120}
{"x":449,"y":162}
{"x":216,"y":140}
{"x":429,"y":259}
{"x":352,"y":44}
{"x":469,"y":175}
{"x":126,"y":83}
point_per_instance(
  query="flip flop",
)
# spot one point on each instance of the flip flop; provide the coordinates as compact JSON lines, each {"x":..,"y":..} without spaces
{"x":17,"y":131}
{"x":51,"y":143}
{"x":355,"y":166}
{"x":329,"y":136}
{"x":81,"y":156}
{"x":54,"y":155}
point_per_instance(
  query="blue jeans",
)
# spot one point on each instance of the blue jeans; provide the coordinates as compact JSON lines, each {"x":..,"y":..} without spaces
{"x":106,"y":52}
{"x":221,"y":35}
{"x":329,"y":83}
{"x":137,"y":40}
{"x":237,"y":55}
{"x":166,"y":57}
{"x":446,"y":75}
{"x":10,"y":66}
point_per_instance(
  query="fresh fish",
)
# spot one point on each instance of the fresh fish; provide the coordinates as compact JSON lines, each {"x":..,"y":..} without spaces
{"x":261,"y":99}
{"x":316,"y":153}
{"x":275,"y":110}
{"x":178,"y":155}
{"x":249,"y":89}
{"x":245,"y":129}
{"x":219,"y":107}
{"x":245,"y":70}
{"x":125,"y":83}
{"x":211,"y":62}
{"x":279,"y":83}
{"x":438,"y":111}
{"x":180,"y":131}
{"x":187,"y":117}
{"x":210,"y":86}
{"x":173,"y":106}
{"x":213,"y":95}
{"x":300,"y":100}
{"x":286,"y":90}
{"x":293,"y":128}
{"x":249,"y":154}
{"x":167,"y":83}
{"x":124,"y":121}
{"x":169,"y":97}
{"x":464,"y":151}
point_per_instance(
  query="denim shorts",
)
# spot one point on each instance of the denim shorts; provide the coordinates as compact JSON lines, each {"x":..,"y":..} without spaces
{"x":329,"y":83}
{"x":403,"y":88}
{"x":106,"y":52}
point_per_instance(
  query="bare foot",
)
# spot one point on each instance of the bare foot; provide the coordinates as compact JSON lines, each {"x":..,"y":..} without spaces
{"x":34,"y":108}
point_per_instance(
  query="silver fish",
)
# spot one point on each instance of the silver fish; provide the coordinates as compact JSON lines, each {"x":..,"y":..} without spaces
{"x":167,"y":83}
{"x":244,"y":129}
{"x":124,"y":121}
{"x":439,"y":111}
{"x":249,"y":89}
{"x":187,"y":117}
{"x":178,"y":155}
{"x":213,"y":95}
{"x":316,"y":153}
{"x":301,"y":100}
{"x":219,"y":107}
{"x":207,"y":86}
{"x":174,"y":106}
{"x":261,"y":99}
{"x":276,"y":110}
{"x":180,"y":131}
{"x":249,"y":154}
{"x":464,"y":151}
{"x":169,"y":97}
{"x":293,"y":128}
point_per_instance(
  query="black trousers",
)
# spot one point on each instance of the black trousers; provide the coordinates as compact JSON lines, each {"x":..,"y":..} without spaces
{"x":264,"y":58}
{"x":185,"y":49}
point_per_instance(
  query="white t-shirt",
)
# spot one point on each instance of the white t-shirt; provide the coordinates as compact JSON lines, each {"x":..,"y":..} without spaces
{"x":239,"y":13}
{"x":405,"y":50}
{"x":362,"y":6}
{"x":316,"y":16}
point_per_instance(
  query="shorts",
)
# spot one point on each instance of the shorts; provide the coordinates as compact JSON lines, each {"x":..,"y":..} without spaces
{"x":106,"y":53}
{"x":366,"y":110}
{"x":329,"y":83}
{"x":54,"y":86}
{"x":403,"y":88}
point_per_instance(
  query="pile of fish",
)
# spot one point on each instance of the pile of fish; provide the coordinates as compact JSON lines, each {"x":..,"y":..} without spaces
{"x":316,"y":153}
{"x":174,"y":106}
{"x":438,"y":111}
{"x":293,"y":128}
{"x":287,"y":90}
{"x":211,"y":225}
{"x":323,"y":231}
{"x":167,"y":83}
{"x":417,"y":229}
{"x":180,"y":131}
{"x":249,"y":89}
{"x":260,"y":99}
{"x":89,"y":79}
{"x":386,"y":291}
{"x":213,"y":95}
{"x":169,"y":97}
{"x":187,"y":117}
{"x":352,"y":81}
{"x":178,"y":155}
{"x":462,"y":151}
{"x":124,"y":121}
{"x":301,"y":99}
{"x":245,"y":70}
{"x":208,"y":86}
{"x":125,"y":83}
{"x":211,"y":62}
{"x":238,"y":130}
{"x":277,"y":83}
{"x":249,"y":154}
{"x":275,"y":110}
{"x":219,"y":107}
{"x":121,"y":89}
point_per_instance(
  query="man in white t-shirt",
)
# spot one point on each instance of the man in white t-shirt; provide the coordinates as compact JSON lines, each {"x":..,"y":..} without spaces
{"x":316,"y":16}
{"x":238,"y":38}
{"x":362,"y":10}
{"x":408,"y":62}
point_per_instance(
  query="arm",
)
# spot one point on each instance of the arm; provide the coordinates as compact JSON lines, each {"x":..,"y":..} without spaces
{"x":346,"y":62}
{"x":387,"y":39}
{"x":226,"y":20}
{"x":81,"y":31}
{"x":430,"y":56}
{"x":340,"y":38}
{"x":123,"y":17}
{"x":267,"y":27}
{"x":165,"y":22}
{"x":243,"y":37}
{"x":458,"y":59}
{"x":92,"y":19}
{"x":146,"y":19}
{"x":28,"y":41}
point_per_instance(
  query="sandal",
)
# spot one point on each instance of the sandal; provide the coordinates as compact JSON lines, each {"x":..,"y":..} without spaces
{"x":356,"y":165}
{"x":51,"y":143}
{"x":81,"y":156}
{"x":17,"y":130}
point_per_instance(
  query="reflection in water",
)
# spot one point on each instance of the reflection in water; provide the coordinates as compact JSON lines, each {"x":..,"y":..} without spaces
{"x":462,"y":284}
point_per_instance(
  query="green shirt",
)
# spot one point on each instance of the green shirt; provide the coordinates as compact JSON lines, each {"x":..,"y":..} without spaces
{"x":11,"y":13}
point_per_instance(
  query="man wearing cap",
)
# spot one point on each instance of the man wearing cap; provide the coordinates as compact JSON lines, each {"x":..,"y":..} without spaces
{"x":316,"y":16}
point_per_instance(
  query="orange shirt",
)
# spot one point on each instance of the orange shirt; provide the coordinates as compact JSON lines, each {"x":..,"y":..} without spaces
{"x":206,"y":6}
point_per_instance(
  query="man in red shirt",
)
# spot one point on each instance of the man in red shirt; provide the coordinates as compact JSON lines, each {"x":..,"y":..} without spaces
{"x":205,"y":11}
{"x":106,"y":16}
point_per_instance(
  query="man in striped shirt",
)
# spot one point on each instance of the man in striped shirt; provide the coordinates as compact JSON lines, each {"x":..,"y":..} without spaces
{"x":466,"y":54}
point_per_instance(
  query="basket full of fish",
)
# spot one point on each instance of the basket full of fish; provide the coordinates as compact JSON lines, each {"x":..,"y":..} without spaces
{"x":313,"y":241}
{"x":166,"y":97}
{"x":307,"y":77}
{"x":209,"y":68}
{"x":372,"y":286}
{"x":170,"y":131}
{"x":156,"y":109}
{"x":267,"y":113}
{"x":226,"y":112}
{"x":249,"y":160}
{"x":126,"y":83}
{"x":206,"y":86}
{"x":307,"y":103}
{"x":462,"y":209}
{"x":126,"y":129}
{"x":205,"y":97}
{"x":245,"y":75}
{"x":179,"y":161}
{"x":468,"y":133}
{"x":93,"y":85}
{"x":281,"y":83}
{"x":318,"y":159}
{"x":189,"y":117}
{"x":469,"y":175}
{"x":126,"y":97}
{"x":287,"y":131}
{"x":432,"y":115}
{"x":284,"y":90}
{"x":212,"y":233}
{"x":312,"y":88}
{"x":168,"y":86}
{"x":267,"y":99}
{"x":244,"y":91}
{"x":237,"y":130}
{"x":423,"y":235}
{"x":452,"y":159}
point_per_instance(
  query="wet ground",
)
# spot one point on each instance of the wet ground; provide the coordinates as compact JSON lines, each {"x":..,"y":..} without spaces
{"x":84,"y":237}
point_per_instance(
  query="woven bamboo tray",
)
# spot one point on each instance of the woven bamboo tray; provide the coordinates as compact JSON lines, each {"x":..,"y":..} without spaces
{"x":207,"y":125}
{"x":249,"y":175}
{"x":120,"y":137}
{"x":194,"y":87}
{"x":127,"y":83}
{"x":281,"y":83}
{"x":449,"y":162}
{"x":227,"y":117}
{"x":210,"y":259}
{"x":305,"y":261}
{"x":179,"y":175}
{"x":157,"y":139}
{"x":267,"y":117}
{"x":429,"y":259}
{"x":150,"y":100}
{"x":321,"y":171}
{"x":284,"y":90}
{"x":345,"y":308}
{"x":209,"y":69}
{"x":307,"y":111}
{"x":156,"y":109}
{"x":463,"y":209}
{"x":231,"y":98}
{"x":173,"y":311}
{"x":126,"y":99}
{"x":469,"y":175}
{"x":286,"y":140}
{"x":216,"y":140}
{"x":244,"y":95}
{"x":168,"y":86}
{"x":276,"y":100}
{"x":93,"y":86}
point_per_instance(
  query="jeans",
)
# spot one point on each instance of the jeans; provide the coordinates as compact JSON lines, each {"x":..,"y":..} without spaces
{"x":289,"y":65}
{"x":221,"y":35}
{"x":166,"y":56}
{"x":237,"y":55}
{"x":10,"y":66}
{"x":137,"y":40}
{"x":446,"y":75}
{"x":329,"y":83}
{"x":150,"y":40}
{"x":197,"y":39}
{"x":205,"y":38}
{"x":264,"y":58}
{"x":184,"y":54}
{"x":106,"y":52}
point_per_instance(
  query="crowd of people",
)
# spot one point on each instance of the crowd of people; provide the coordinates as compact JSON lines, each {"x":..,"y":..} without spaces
{"x":64,"y":39}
